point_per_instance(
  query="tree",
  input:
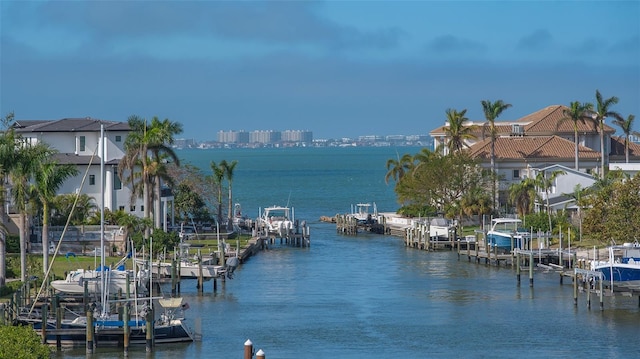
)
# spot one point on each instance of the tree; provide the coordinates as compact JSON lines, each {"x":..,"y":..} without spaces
{"x":600,"y":113}
{"x":48,"y":180}
{"x":545,"y":183}
{"x":218,"y":176}
{"x":492,"y":110}
{"x":136,"y":161}
{"x":577,"y":112}
{"x":579,"y":196}
{"x":161,"y":153}
{"x":228,"y":173}
{"x":7,"y":162}
{"x":443,"y":182}
{"x":76,"y":208}
{"x":611,"y":213}
{"x":627,"y":128}
{"x":523,"y":195}
{"x":396,"y":168}
{"x":28,"y":160}
{"x":22,"y":342}
{"x":457,"y":132}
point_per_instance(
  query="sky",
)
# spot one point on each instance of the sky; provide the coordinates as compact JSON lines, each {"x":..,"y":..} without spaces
{"x":336,"y":68}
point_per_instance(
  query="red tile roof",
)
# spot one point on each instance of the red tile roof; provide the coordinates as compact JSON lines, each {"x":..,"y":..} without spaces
{"x":538,"y":147}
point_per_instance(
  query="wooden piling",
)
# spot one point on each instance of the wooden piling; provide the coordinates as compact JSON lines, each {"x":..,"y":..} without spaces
{"x":43,"y":330}
{"x":260,"y":354}
{"x":149,"y":331}
{"x":248,"y":349}
{"x":89,"y":331}
{"x":59,"y":316}
{"x":125,"y":330}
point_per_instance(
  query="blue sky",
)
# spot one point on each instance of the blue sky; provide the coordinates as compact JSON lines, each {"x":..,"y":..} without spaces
{"x":337,"y":68}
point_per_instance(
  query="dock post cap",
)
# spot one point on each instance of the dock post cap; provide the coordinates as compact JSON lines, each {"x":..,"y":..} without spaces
{"x":260,"y":353}
{"x":248,"y":342}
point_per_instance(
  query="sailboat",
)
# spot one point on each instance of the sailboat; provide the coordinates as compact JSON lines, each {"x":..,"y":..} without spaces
{"x":170,"y":327}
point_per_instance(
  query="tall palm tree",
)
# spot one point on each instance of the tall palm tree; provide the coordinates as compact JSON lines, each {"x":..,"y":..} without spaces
{"x":600,"y":113}
{"x":627,"y":128}
{"x":458,"y":132}
{"x":229,"y":167}
{"x":7,"y":161}
{"x":142,"y":139}
{"x":492,"y":110}
{"x":48,"y":180}
{"x":579,"y":196}
{"x":28,"y":160}
{"x":545,"y":182}
{"x":161,"y":153}
{"x":218,"y":176}
{"x":577,"y":112}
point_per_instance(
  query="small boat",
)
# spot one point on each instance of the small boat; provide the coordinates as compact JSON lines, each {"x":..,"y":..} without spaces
{"x":277,"y":221}
{"x":623,"y":264}
{"x":505,"y":234}
{"x":115,"y":280}
{"x":442,"y":229}
{"x":363,"y":215}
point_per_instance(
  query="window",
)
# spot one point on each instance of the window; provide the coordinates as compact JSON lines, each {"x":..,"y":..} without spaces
{"x":516,"y":174}
{"x":83,"y":143}
{"x":117,"y":184}
{"x":132,"y":208}
{"x":92,"y":180}
{"x":118,"y":138}
{"x":142,"y":208}
{"x":121,"y":208}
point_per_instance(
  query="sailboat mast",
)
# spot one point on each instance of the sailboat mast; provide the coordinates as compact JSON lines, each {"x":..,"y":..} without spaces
{"x":102,"y":261}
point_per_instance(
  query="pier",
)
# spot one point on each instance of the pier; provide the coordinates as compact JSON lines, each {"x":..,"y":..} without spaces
{"x":564,"y":262}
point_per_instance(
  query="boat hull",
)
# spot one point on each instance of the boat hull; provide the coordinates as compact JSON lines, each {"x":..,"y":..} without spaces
{"x":621,"y":272}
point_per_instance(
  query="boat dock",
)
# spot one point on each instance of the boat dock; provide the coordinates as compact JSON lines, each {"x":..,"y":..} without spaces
{"x":566,"y":263}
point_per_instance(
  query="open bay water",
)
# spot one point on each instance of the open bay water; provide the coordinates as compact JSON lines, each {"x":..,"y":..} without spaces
{"x":370,"y":296}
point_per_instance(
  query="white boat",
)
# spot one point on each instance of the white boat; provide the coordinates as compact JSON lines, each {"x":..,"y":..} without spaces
{"x":623,"y":265}
{"x":277,"y":221}
{"x":505,"y":234}
{"x":115,"y":280}
{"x":442,"y":229}
{"x":361,"y":212}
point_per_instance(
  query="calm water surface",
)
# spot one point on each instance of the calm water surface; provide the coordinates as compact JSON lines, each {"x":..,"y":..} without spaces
{"x":368,"y":295}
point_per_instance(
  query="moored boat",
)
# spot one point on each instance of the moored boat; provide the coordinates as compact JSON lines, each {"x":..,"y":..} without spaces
{"x":623,"y":265}
{"x":505,"y":234}
{"x":276,"y":220}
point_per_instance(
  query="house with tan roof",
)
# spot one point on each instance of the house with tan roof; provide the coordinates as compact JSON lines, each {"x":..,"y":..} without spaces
{"x":539,"y":142}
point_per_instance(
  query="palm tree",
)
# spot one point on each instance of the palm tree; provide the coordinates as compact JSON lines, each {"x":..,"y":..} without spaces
{"x":228,"y":173}
{"x":545,"y":183}
{"x":218,"y":175}
{"x":600,"y":113}
{"x":523,"y":195}
{"x":142,"y":139}
{"x":161,"y":152}
{"x":28,"y":161}
{"x":492,"y":110}
{"x":457,"y":132}
{"x":397,"y":168}
{"x":7,"y":161}
{"x":578,"y":195}
{"x":577,"y":112}
{"x":626,"y":127}
{"x":48,"y":180}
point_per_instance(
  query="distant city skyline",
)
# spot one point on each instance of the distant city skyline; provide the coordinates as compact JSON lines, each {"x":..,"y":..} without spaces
{"x":337,"y":68}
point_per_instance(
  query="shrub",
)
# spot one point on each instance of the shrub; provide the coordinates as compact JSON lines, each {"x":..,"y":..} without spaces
{"x":22,"y":342}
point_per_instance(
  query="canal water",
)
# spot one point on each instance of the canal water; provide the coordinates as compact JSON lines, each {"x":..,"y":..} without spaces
{"x":370,"y":296}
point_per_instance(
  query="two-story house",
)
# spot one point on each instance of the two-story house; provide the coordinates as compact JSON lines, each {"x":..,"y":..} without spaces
{"x":540,"y":142}
{"x":79,"y":141}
